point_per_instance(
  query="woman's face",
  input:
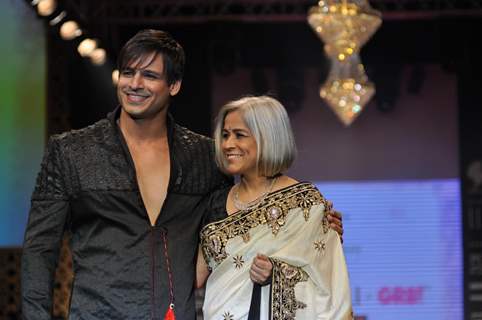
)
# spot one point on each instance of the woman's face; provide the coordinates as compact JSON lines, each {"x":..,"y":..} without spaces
{"x":238,"y":146}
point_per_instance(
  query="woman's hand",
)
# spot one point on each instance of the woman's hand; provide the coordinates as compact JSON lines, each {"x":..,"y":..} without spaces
{"x":335,"y":220}
{"x":261,"y":269}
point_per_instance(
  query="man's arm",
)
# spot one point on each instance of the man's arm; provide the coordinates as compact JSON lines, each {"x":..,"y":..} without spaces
{"x":47,"y":217}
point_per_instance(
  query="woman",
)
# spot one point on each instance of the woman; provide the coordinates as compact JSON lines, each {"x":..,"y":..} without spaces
{"x":271,"y":220}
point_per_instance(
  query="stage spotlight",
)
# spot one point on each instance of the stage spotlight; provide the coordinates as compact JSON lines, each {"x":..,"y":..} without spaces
{"x":98,"y":56}
{"x":70,"y":30}
{"x":46,"y":7}
{"x":115,"y":77}
{"x":86,"y":47}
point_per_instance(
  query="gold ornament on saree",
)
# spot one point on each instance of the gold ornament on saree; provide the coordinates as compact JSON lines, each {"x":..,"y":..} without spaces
{"x":272,"y":211}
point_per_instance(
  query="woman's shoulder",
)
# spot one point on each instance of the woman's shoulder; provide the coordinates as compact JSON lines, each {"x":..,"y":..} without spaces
{"x":288,"y":183}
{"x":288,"y":187}
{"x":285,"y":182}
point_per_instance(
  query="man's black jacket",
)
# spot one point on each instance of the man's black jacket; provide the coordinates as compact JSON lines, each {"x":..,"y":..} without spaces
{"x":87,"y":185}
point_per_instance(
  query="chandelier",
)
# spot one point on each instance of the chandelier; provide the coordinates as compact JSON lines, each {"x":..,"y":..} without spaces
{"x":345,"y":26}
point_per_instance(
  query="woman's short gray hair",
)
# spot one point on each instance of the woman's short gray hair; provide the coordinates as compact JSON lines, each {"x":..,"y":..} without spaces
{"x":268,"y":121}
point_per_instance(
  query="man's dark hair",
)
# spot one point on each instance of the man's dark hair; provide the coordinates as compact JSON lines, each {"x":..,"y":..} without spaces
{"x":150,"y":41}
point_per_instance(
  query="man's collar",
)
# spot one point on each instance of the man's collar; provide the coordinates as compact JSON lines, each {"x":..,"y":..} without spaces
{"x":114,"y":116}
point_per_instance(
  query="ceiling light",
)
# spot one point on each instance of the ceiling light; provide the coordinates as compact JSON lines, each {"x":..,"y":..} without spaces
{"x":46,"y":7}
{"x":98,"y":56}
{"x":70,"y":30}
{"x":86,"y":47}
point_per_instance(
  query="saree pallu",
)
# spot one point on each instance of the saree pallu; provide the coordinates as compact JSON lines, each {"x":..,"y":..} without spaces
{"x":290,"y":226}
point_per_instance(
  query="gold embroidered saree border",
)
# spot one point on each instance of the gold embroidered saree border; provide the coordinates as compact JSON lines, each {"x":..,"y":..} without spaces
{"x":272,"y":211}
{"x":283,"y":299}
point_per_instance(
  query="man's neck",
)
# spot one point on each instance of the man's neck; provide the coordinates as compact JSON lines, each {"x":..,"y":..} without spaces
{"x":143,"y":130}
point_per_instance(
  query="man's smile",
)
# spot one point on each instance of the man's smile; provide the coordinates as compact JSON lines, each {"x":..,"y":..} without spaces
{"x":136,"y":97}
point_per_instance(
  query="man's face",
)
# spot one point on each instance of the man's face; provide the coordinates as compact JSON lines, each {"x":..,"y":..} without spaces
{"x":143,"y":90}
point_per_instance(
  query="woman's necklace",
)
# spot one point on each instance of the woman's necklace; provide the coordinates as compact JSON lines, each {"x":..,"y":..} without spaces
{"x":243,"y":206}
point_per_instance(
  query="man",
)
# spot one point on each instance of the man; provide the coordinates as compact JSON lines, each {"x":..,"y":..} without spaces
{"x":129,"y":189}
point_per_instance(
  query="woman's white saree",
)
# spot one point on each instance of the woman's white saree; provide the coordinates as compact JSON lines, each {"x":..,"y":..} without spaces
{"x":310,"y":279}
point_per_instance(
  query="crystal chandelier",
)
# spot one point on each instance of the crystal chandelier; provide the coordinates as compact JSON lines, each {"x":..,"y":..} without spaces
{"x":345,"y":26}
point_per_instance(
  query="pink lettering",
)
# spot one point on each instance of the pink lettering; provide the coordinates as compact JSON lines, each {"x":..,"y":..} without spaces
{"x":400,"y":295}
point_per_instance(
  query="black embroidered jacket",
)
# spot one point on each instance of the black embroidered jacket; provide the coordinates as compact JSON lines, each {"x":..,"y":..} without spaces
{"x":87,"y":185}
